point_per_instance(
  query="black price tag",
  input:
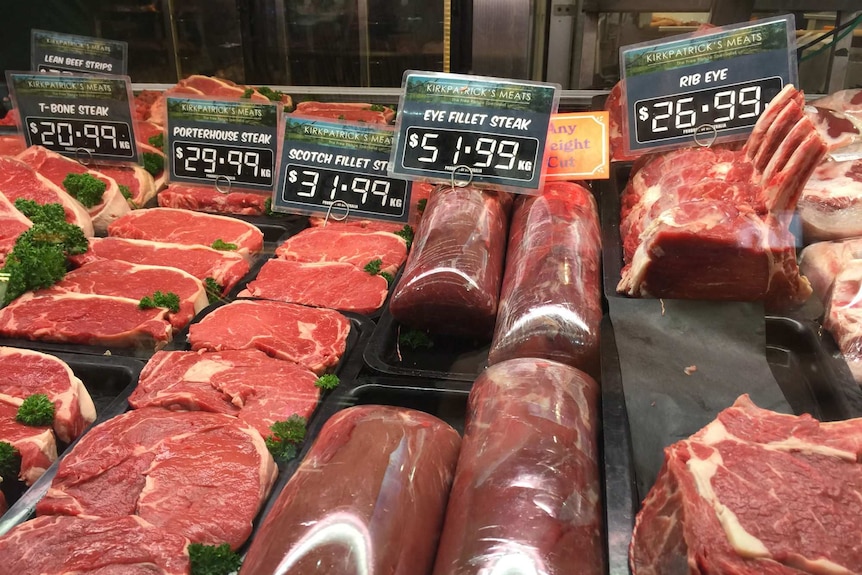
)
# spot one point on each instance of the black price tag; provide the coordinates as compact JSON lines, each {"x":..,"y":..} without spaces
{"x":329,"y":165}
{"x":71,"y":54}
{"x":84,"y":117}
{"x":229,"y":144}
{"x":491,"y":130}
{"x":715,"y":83}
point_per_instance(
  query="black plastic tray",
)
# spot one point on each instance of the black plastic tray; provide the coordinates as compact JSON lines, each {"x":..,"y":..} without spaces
{"x":109,"y":381}
{"x":450,"y":358}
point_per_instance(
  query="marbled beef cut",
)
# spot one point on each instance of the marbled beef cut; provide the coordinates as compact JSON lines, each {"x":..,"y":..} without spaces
{"x":755,"y":492}
{"x":551,"y":300}
{"x":199,"y":475}
{"x":369,"y":497}
{"x":354,"y":246}
{"x":116,"y":545}
{"x":527,"y":491}
{"x":451,"y":282}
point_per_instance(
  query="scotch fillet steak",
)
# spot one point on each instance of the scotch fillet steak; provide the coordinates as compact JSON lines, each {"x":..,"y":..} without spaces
{"x":199,"y":475}
{"x":88,"y":319}
{"x":18,"y":180}
{"x":369,"y":497}
{"x":713,"y":223}
{"x":314,"y":338}
{"x":80,"y":545}
{"x":136,"y":281}
{"x":208,"y":199}
{"x":334,"y":285}
{"x":188,"y":228}
{"x":352,"y":246}
{"x":56,"y":167}
{"x":202,"y":262}
{"x":26,"y":372}
{"x":247,"y":384}
{"x":12,"y":224}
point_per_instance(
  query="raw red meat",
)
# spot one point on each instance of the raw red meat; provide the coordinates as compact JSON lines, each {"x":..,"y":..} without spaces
{"x":846,"y":101}
{"x":336,"y":285}
{"x":12,"y":145}
{"x":160,"y":178}
{"x":136,"y":281}
{"x":122,"y":545}
{"x":226,"y":268}
{"x":18,"y":180}
{"x":843,"y":318}
{"x":551,"y":299}
{"x":451,"y":282}
{"x":350,"y":111}
{"x":831,"y":204}
{"x":208,"y":199}
{"x":26,"y":372}
{"x":822,"y":261}
{"x":188,"y":228}
{"x":12,"y":224}
{"x":36,"y":445}
{"x":345,"y":245}
{"x":355,"y":224}
{"x":312,"y":337}
{"x":56,"y":167}
{"x":616,"y":133}
{"x":755,"y":492}
{"x":247,"y":384}
{"x":85,"y":319}
{"x":713,"y":224}
{"x":383,"y":516}
{"x":527,"y":488}
{"x":196,"y":474}
{"x":837,"y":129}
{"x":144,"y":101}
{"x":158,"y":109}
{"x":144,"y":130}
{"x":142,"y":187}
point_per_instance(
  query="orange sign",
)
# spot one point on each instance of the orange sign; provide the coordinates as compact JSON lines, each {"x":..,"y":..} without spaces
{"x":577,"y":146}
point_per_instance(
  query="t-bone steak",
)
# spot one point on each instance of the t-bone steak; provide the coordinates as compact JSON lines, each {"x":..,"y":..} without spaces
{"x":755,"y":492}
{"x":12,"y":224}
{"x":188,"y":228}
{"x":200,"y":475}
{"x":312,"y":337}
{"x":141,"y":185}
{"x":114,"y":545}
{"x":247,"y":384}
{"x":342,"y":245}
{"x":335,"y":285}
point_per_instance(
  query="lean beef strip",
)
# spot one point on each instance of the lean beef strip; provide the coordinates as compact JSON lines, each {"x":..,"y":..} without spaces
{"x":527,"y":489}
{"x":755,"y":492}
{"x":122,"y":545}
{"x":203,"y":262}
{"x":247,"y":384}
{"x":831,"y":204}
{"x":196,"y":474}
{"x":312,"y":337}
{"x":713,"y":224}
{"x":383,"y":516}
{"x":136,"y":281}
{"x":18,"y":180}
{"x":551,"y":299}
{"x":87,"y":319}
{"x":353,"y":246}
{"x":208,"y":199}
{"x":12,"y":224}
{"x":56,"y":167}
{"x":188,"y":228}
{"x":26,"y":372}
{"x":334,"y":285}
{"x":36,"y":445}
{"x":142,"y":187}
{"x":451,"y":282}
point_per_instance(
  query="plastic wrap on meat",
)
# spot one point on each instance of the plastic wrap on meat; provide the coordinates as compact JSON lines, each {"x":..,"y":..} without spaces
{"x":551,"y":301}
{"x":451,"y":282}
{"x":526,"y":496}
{"x":368,"y":498}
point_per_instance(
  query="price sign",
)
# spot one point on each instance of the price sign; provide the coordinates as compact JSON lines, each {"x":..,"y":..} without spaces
{"x":716,"y":81}
{"x":493,"y":129}
{"x":228,"y":143}
{"x":70,"y":54}
{"x":342,"y":164}
{"x":85,"y":117}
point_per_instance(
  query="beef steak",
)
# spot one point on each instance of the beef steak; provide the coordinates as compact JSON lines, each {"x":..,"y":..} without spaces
{"x":208,"y":199}
{"x":357,"y":247}
{"x":831,"y":204}
{"x":12,"y":224}
{"x":36,"y":445}
{"x":312,"y":337}
{"x":196,"y":474}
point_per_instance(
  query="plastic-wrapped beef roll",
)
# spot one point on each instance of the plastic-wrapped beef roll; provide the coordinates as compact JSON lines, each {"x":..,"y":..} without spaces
{"x":451,"y":282}
{"x":551,"y":301}
{"x":368,"y":499}
{"x":526,"y":496}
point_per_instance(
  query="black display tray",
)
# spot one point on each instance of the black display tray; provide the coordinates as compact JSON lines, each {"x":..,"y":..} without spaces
{"x":109,"y":381}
